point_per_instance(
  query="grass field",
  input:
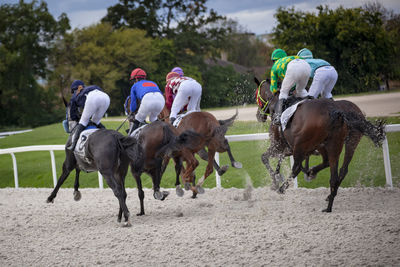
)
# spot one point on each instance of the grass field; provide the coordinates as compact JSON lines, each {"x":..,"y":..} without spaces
{"x":34,"y":168}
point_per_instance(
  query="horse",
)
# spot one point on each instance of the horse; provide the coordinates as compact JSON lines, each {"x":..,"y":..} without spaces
{"x":164,"y":116}
{"x":160,"y":141}
{"x":108,"y":152}
{"x":317,"y":124}
{"x":213,"y":132}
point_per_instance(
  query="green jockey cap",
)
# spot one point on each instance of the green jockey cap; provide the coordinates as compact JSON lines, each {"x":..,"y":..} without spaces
{"x":278,"y":53}
{"x":305,"y":53}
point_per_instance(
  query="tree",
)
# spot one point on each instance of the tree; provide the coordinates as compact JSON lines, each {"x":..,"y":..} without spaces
{"x":105,"y":57}
{"x":353,"y":40}
{"x":27,"y":34}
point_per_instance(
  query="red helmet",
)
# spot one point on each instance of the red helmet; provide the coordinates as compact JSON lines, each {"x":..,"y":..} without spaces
{"x":172,"y":75}
{"x":138,"y":73}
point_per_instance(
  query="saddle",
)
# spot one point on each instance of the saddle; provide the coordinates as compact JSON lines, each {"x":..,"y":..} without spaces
{"x":289,"y":108}
{"x":179,"y":118}
{"x":136,"y":133}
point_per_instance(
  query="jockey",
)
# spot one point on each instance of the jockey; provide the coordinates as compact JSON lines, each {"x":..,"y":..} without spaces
{"x":94,"y":102}
{"x":323,"y":74}
{"x":149,"y":95}
{"x":180,"y":91}
{"x":292,"y":71}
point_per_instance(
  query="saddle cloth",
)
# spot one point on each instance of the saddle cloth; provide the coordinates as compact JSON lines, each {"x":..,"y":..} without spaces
{"x":181,"y":116}
{"x":80,"y":150}
{"x":288,"y":113}
{"x":136,"y":133}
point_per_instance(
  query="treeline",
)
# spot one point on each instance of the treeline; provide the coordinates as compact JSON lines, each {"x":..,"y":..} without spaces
{"x":40,"y":56}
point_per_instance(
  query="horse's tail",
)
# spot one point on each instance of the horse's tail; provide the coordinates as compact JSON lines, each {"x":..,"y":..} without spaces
{"x":375,"y":131}
{"x":224,"y":124}
{"x":133,"y":150}
{"x":188,"y":139}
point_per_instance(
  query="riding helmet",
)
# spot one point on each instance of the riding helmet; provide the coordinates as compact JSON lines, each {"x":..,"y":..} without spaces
{"x":138,"y":73}
{"x":278,"y":53}
{"x":172,"y":75}
{"x":178,"y":70}
{"x":75,"y":84}
{"x":305,"y":53}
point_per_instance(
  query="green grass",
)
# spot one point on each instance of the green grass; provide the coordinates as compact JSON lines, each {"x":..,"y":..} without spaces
{"x":34,"y":168}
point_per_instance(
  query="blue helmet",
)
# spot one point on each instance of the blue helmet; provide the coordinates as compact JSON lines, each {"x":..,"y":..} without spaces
{"x":75,"y":84}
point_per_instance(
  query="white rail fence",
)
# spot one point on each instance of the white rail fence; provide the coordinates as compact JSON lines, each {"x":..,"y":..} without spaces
{"x":231,"y":138}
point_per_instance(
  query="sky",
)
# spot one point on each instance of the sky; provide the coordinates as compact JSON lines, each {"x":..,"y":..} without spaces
{"x":256,"y":16}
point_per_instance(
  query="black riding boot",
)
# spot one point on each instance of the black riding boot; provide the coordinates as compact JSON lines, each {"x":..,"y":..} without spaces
{"x":172,"y":120}
{"x":100,"y":126}
{"x":75,"y":136}
{"x":136,"y":125}
{"x":278,"y":113}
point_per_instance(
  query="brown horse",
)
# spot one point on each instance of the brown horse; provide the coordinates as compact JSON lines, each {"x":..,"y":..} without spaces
{"x":213,"y":132}
{"x":318,"y":124}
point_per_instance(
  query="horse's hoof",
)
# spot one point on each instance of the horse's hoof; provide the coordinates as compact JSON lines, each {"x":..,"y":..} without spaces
{"x":165,"y":194}
{"x":237,"y":165}
{"x":158,"y":195}
{"x":199,"y":189}
{"x":127,"y":224}
{"x":223,"y":170}
{"x":327,"y":210}
{"x":77,"y":195}
{"x":187,"y":186}
{"x":179,"y":191}
{"x":140,"y":214}
{"x":50,"y":200}
{"x":194,"y":196}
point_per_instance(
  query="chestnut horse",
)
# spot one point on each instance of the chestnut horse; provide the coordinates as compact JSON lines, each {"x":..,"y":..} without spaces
{"x":319,"y":124}
{"x":213,"y":132}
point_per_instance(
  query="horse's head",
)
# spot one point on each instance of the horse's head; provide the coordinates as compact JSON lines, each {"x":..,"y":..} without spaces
{"x":265,"y":100}
{"x":71,"y":123}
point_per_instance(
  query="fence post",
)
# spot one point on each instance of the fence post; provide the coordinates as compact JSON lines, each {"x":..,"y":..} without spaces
{"x":217,"y":177}
{"x":15,"y":170}
{"x":100,"y":180}
{"x":53,"y":168}
{"x":295,"y":184}
{"x":386,"y":162}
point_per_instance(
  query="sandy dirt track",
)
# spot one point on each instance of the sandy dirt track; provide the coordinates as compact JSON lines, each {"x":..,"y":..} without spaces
{"x":228,"y":227}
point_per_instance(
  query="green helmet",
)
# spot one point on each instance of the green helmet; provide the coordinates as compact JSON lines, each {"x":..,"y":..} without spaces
{"x":278,"y":53}
{"x":305,"y":53}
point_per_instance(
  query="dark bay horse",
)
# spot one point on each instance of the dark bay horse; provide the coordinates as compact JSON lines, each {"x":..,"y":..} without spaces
{"x":161,"y":141}
{"x":110,"y":153}
{"x":319,"y":124}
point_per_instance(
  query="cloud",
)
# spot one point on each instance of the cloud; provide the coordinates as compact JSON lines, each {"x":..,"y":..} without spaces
{"x":258,"y":22}
{"x":80,"y":19}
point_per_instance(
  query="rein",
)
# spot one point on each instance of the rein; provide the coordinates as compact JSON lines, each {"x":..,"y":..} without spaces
{"x":262,"y":104}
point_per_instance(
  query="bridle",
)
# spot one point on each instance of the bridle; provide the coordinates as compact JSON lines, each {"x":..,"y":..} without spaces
{"x":263,"y":105}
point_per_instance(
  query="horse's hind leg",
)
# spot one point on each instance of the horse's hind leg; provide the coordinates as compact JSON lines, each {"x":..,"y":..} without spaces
{"x":140,"y":192}
{"x":77,"y":193}
{"x":118,"y":189}
{"x":310,"y":174}
{"x":208,"y":171}
{"x":204,"y":156}
{"x":68,"y":165}
{"x":350,"y":146}
{"x":234,"y":163}
{"x":178,"y":169}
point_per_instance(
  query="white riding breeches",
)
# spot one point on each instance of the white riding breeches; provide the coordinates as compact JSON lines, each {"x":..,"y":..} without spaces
{"x":297,"y":73}
{"x":151,"y":105}
{"x":189,"y":92}
{"x":96,"y":105}
{"x":323,"y":82}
